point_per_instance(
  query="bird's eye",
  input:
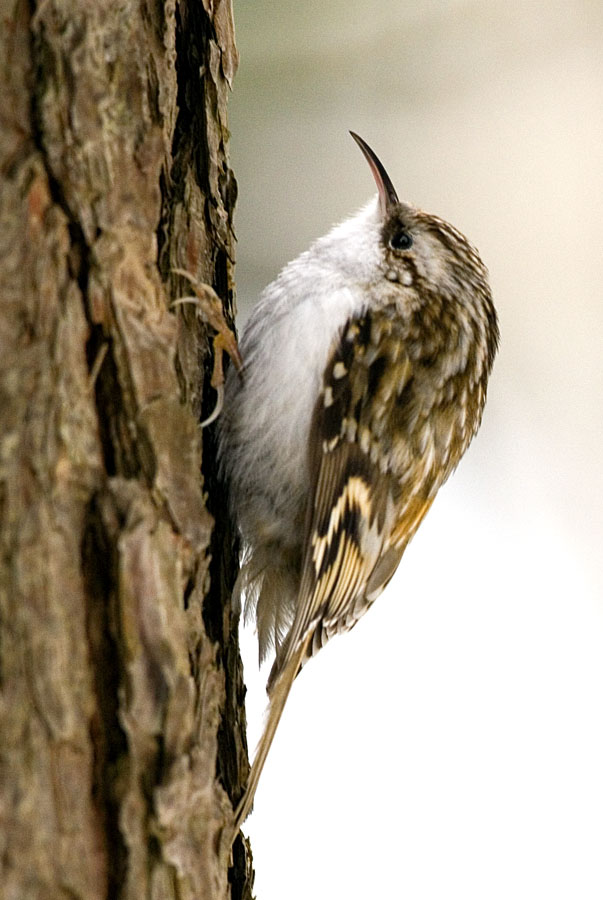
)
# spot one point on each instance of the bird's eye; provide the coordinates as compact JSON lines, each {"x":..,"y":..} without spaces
{"x":400,"y":240}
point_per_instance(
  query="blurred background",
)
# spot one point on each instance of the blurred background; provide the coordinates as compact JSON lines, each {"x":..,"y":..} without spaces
{"x":452,"y":744}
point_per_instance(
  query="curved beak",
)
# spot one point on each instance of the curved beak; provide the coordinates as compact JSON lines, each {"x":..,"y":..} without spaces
{"x":387,"y":192}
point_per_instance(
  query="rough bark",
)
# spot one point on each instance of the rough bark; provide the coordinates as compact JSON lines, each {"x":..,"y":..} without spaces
{"x":122,"y":743}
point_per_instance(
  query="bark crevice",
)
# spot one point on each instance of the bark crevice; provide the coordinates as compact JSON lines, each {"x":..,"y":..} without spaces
{"x":109,"y":742}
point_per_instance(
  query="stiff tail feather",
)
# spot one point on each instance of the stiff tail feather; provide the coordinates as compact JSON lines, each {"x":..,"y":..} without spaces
{"x":278,"y":697}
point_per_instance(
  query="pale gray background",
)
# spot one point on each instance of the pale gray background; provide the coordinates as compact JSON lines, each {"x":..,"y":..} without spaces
{"x":452,"y":745}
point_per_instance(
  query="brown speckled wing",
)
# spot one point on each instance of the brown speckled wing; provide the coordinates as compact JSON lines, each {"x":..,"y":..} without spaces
{"x":351,"y":507}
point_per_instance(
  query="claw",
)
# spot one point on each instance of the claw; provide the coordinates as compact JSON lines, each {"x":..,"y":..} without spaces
{"x":210,"y":307}
{"x":217,"y":408}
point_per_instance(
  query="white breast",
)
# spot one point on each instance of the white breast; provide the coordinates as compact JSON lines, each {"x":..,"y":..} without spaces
{"x":285,"y":346}
{"x":272,"y":410}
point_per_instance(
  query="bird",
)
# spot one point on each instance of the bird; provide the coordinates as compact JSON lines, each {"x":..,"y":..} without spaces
{"x":365,"y":369}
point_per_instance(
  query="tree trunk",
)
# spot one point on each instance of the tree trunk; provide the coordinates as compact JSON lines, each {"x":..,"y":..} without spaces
{"x":122,"y":744}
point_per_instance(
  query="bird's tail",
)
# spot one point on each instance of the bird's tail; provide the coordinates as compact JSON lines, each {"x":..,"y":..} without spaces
{"x":279,"y":691}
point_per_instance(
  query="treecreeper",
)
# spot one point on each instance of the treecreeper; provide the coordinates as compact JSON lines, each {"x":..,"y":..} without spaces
{"x":365,"y":367}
